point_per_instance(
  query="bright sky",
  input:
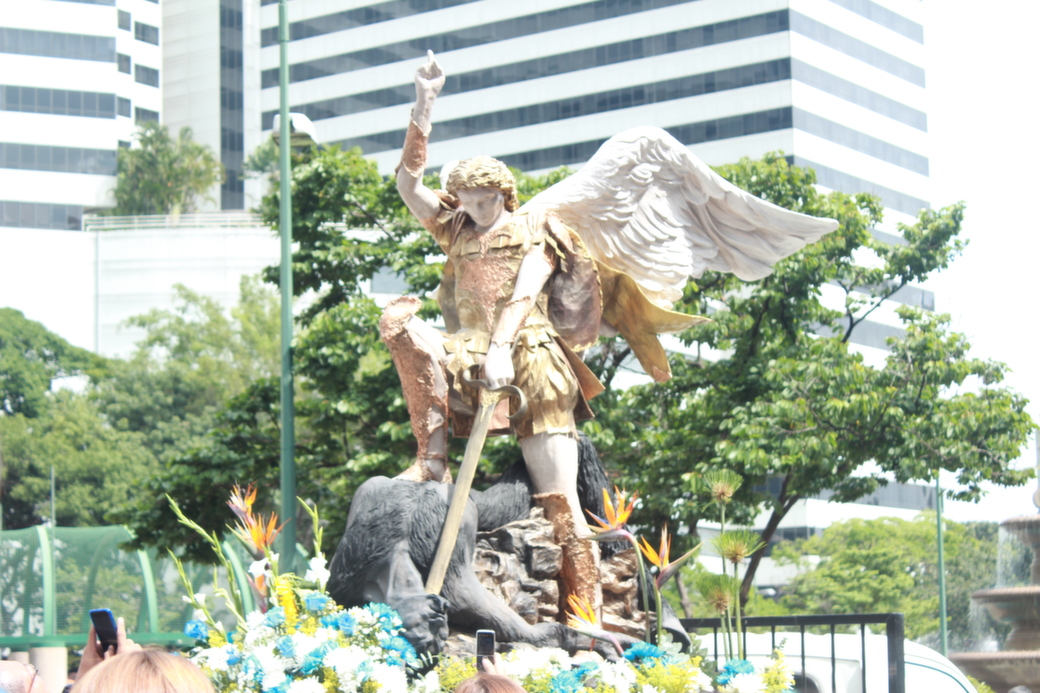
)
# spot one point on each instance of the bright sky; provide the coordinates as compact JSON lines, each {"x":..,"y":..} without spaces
{"x":985,"y":150}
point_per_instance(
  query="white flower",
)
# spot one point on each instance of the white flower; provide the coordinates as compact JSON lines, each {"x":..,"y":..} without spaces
{"x":216,"y":658}
{"x":431,"y":683}
{"x":270,"y":662}
{"x":701,"y":682}
{"x":273,"y":679}
{"x":363,"y":617}
{"x":745,"y":683}
{"x":317,"y":572}
{"x":257,"y":635}
{"x":258,"y":568}
{"x":346,"y":660}
{"x":323,"y":633}
{"x":650,"y":689}
{"x":618,"y":676}
{"x":303,"y":645}
{"x":308,"y":685}
{"x":255,"y":619}
{"x":390,"y":679}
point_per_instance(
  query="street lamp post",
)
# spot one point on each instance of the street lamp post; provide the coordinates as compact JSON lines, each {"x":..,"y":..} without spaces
{"x":288,"y":438}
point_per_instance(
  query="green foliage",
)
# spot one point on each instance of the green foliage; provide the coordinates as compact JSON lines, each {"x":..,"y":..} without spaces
{"x":777,"y":401}
{"x":96,"y":467}
{"x":31,"y":357}
{"x":980,"y":687}
{"x":163,"y":175}
{"x":889,"y":565}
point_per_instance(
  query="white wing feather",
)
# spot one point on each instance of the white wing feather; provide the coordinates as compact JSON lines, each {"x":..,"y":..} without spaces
{"x":646,"y":206}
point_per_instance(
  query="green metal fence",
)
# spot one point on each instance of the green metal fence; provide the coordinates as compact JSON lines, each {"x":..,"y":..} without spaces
{"x":51,"y":577}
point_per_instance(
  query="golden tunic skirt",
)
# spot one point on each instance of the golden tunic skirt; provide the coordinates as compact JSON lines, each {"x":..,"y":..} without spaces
{"x":543,"y":372}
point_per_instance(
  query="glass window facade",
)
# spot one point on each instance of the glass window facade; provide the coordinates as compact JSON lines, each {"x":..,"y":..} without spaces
{"x":885,"y":17}
{"x":839,"y":180}
{"x":854,"y":93}
{"x":146,"y":32}
{"x":36,"y":157}
{"x":466,"y":38}
{"x":51,"y":44}
{"x":232,"y":113}
{"x":854,"y":48}
{"x":146,"y":75}
{"x":37,"y":215}
{"x":123,"y":107}
{"x":123,"y":63}
{"x":124,"y":20}
{"x":361,"y":16}
{"x":629,"y":97}
{"x":143,"y":115}
{"x":57,"y":102}
{"x":854,"y":139}
{"x":649,"y":46}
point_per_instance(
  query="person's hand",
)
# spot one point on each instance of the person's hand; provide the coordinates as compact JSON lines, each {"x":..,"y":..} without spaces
{"x":92,"y":654}
{"x":493,"y":665}
{"x":429,"y":79}
{"x":125,"y":644}
{"x":498,"y":367}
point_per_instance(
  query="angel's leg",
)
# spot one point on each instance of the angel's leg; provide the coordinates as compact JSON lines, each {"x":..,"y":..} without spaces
{"x":552,"y":462}
{"x":419,"y":356}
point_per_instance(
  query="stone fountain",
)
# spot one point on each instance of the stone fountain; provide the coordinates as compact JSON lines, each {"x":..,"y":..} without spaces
{"x":1019,"y":662}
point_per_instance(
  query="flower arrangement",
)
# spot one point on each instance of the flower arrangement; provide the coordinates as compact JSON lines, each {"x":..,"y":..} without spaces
{"x":300,"y":641}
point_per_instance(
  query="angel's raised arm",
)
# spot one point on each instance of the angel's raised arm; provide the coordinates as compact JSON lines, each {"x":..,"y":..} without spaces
{"x":421,"y":201}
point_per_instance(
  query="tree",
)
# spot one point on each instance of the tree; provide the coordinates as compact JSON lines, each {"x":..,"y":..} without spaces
{"x":162,"y":175}
{"x":96,"y":467}
{"x":351,"y":418}
{"x":784,"y":400}
{"x":31,"y":357}
{"x":890,"y":565}
{"x":191,"y":361}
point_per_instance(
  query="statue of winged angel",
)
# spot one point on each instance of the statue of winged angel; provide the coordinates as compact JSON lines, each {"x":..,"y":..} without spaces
{"x":527,"y":289}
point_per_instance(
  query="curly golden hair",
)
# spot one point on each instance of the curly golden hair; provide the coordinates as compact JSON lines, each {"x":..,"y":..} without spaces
{"x":484,"y":172}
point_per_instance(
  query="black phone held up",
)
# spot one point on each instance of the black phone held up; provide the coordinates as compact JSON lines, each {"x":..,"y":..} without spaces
{"x":485,"y":648}
{"x":105,"y":627}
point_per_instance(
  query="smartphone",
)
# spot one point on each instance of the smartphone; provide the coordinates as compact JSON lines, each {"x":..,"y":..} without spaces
{"x":106,"y":629}
{"x":485,"y":648}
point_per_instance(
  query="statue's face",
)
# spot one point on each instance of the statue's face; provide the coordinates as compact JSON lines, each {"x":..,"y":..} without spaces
{"x":484,"y":205}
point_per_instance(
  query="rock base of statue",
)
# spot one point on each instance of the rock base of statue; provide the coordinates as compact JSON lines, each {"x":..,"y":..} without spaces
{"x":519,"y":563}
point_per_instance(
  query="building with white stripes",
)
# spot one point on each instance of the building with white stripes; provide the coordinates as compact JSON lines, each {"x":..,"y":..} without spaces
{"x":75,"y":77}
{"x":838,"y":85}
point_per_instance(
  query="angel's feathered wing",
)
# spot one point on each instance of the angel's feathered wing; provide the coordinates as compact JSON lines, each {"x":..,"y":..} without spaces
{"x":651,"y":213}
{"x":644,"y":205}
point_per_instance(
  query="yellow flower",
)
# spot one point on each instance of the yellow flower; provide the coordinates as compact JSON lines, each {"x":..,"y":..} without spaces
{"x":659,"y":558}
{"x":613,"y":527}
{"x":286,"y":596}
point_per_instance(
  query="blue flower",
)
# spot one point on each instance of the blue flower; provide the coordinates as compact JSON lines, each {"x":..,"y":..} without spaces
{"x":330,"y":621}
{"x":234,"y":656}
{"x":400,"y":649}
{"x":313,"y":661}
{"x":252,"y":668}
{"x":315,"y":601}
{"x":274,"y":617}
{"x":196,"y":629}
{"x":346,"y":624}
{"x":567,"y":682}
{"x":386,"y":616}
{"x":642,"y":651}
{"x":285,"y":646}
{"x":732,"y":668}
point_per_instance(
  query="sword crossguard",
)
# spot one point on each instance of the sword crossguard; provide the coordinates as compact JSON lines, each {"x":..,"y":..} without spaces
{"x":511,"y":390}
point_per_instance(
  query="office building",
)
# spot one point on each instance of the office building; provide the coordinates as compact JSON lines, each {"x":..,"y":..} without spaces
{"x":75,"y":77}
{"x":836,"y":84}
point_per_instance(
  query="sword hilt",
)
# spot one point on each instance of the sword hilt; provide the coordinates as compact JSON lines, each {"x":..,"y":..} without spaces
{"x":511,"y":390}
